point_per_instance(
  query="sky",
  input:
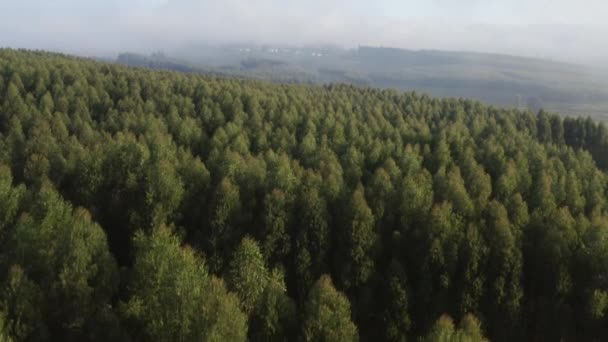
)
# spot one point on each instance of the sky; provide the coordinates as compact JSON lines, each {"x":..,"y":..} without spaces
{"x":567,"y":30}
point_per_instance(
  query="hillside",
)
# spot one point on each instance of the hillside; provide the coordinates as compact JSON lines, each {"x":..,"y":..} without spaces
{"x":507,"y":81}
{"x":163,"y":206}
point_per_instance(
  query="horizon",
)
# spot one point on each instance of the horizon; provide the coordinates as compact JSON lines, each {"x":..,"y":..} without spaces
{"x":557,"y":31}
{"x":173,"y":54}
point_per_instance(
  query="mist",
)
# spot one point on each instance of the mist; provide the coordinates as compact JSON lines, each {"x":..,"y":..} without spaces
{"x":558,"y":30}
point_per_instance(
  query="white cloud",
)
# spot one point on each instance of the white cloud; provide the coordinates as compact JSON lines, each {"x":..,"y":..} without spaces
{"x":558,"y":28}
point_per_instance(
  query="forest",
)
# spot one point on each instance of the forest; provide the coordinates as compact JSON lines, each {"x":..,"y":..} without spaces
{"x":140,"y":205}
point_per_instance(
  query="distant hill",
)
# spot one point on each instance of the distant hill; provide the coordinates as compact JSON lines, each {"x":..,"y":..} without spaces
{"x":503,"y":80}
{"x":499,"y":79}
{"x":155,"y":61}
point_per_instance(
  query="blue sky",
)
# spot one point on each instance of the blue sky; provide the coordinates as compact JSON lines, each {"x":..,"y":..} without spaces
{"x":558,"y":29}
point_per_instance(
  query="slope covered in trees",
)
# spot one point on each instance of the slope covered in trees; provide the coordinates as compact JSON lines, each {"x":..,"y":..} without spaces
{"x":144,"y":205}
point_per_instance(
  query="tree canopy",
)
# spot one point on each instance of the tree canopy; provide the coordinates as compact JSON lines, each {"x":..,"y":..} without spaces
{"x":149,"y":205}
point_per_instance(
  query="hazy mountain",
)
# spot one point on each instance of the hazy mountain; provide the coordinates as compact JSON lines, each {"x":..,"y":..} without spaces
{"x":498,"y":79}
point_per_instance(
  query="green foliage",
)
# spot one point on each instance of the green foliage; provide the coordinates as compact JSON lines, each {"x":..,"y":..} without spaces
{"x":312,"y":241}
{"x":397,"y":304}
{"x":415,"y":206}
{"x":10,"y":198}
{"x":25,"y":307}
{"x":327,"y":314}
{"x":357,"y":241}
{"x":174,"y":298}
{"x":277,"y":219}
{"x":274,"y":317}
{"x":224,"y":218}
{"x":598,"y":304}
{"x":62,"y":254}
{"x":444,"y":330}
{"x":247,"y":275}
{"x":4,"y":335}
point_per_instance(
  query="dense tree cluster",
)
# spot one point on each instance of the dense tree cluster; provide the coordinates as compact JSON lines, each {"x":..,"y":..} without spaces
{"x":146,"y":205}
